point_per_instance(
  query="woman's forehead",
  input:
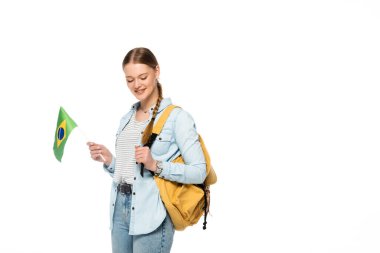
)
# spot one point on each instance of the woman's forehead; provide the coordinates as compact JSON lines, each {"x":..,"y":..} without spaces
{"x":135,"y":69}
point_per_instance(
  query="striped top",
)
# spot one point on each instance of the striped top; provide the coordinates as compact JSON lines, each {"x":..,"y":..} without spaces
{"x":125,"y":150}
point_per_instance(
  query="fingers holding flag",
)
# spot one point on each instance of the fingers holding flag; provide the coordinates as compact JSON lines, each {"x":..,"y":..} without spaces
{"x":99,"y":153}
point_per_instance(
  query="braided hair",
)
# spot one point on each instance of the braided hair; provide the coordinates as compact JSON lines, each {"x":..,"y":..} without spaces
{"x":149,"y":127}
{"x":145,"y":56}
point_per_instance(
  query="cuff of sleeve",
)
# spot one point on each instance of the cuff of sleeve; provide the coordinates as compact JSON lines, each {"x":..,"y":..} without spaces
{"x":165,"y":170}
{"x":110,"y":167}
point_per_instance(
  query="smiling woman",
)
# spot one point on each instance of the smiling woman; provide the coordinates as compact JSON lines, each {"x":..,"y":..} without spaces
{"x":139,"y":219}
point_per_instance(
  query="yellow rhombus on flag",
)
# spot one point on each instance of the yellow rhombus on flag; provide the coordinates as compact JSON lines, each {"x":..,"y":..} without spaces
{"x":65,"y":125}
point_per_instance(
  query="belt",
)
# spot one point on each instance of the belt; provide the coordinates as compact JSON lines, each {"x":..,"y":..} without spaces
{"x":124,"y":188}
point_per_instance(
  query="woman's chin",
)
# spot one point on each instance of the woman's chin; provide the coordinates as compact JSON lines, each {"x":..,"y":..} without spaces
{"x":140,"y":96}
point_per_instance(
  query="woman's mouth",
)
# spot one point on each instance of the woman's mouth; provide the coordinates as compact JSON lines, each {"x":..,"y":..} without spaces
{"x":139,"y":92}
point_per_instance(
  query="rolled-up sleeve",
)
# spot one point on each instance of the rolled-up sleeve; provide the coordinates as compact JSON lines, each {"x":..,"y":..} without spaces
{"x":186,"y":137}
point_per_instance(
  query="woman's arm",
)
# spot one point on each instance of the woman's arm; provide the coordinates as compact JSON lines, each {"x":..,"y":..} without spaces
{"x":186,"y":137}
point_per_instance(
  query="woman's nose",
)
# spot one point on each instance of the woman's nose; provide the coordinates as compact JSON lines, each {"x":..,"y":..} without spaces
{"x":137,"y":83}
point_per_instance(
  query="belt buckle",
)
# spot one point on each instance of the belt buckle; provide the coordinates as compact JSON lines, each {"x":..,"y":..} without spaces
{"x":124,"y":188}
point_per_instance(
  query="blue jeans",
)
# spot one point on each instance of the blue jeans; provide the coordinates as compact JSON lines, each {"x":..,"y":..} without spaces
{"x":160,"y":240}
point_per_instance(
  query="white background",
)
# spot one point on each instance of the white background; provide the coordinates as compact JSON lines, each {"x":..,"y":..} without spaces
{"x":285,"y":94}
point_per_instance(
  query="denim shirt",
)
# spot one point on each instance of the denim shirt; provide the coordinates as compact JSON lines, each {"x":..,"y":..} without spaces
{"x":178,"y":136}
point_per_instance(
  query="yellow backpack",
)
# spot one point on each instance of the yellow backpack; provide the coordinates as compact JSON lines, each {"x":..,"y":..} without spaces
{"x":185,"y":203}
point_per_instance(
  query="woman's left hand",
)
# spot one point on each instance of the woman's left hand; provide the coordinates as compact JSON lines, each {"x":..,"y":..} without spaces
{"x":143,"y":155}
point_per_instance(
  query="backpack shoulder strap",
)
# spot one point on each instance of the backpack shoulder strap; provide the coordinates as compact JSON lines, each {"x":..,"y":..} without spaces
{"x":157,"y":128}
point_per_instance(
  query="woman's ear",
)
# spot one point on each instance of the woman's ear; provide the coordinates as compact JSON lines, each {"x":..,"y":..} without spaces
{"x":157,"y":72}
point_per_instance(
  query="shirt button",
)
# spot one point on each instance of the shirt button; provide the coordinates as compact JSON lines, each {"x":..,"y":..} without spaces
{"x":133,"y":208}
{"x":134,"y":178}
{"x":142,"y":132}
{"x":134,"y":193}
{"x":160,"y":138}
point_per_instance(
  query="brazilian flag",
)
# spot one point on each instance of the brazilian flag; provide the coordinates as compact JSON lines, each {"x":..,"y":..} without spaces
{"x":65,"y":125}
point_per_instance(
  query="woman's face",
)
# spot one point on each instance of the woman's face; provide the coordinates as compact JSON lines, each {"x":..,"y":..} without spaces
{"x":141,"y":79}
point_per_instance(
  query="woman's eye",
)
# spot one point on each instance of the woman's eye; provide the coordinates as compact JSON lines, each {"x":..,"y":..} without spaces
{"x":143,"y":78}
{"x":129,"y":81}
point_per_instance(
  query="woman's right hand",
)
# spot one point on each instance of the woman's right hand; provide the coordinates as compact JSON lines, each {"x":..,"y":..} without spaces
{"x":98,"y":152}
